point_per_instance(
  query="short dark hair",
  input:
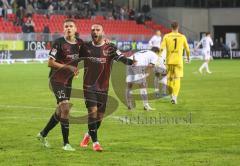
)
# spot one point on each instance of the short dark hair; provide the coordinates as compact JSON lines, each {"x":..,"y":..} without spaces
{"x":97,"y":23}
{"x":174,"y":25}
{"x":155,"y":49}
{"x":69,"y":20}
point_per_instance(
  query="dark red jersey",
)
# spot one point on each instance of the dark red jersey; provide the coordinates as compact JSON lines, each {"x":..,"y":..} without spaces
{"x":67,"y":53}
{"x":97,"y":66}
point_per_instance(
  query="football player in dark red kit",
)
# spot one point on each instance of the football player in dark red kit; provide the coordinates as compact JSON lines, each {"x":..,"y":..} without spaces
{"x":63,"y":61}
{"x":98,"y":60}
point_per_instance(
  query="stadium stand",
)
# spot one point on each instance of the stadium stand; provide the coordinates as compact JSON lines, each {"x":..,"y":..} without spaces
{"x":55,"y":24}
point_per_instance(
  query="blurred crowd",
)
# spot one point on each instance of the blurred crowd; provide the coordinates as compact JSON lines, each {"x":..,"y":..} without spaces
{"x":77,"y":9}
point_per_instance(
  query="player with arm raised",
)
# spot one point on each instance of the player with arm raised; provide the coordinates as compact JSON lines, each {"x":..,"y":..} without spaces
{"x":206,"y":43}
{"x":174,"y":43}
{"x":98,"y":59}
{"x":63,"y":61}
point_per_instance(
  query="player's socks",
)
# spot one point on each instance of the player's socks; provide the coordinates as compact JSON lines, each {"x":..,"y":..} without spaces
{"x":202,"y":67}
{"x":207,"y":68}
{"x":176,"y":87}
{"x":99,"y":124}
{"x":65,"y":130}
{"x":163,"y":81}
{"x":174,"y":99}
{"x":170,"y":86}
{"x":129,"y":98}
{"x":92,"y":128}
{"x":156,"y":84}
{"x":93,"y":134}
{"x":157,"y":93}
{"x":50,"y":125}
{"x":143,"y":93}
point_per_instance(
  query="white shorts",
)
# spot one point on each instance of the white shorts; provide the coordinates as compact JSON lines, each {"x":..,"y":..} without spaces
{"x":136,"y":75}
{"x":206,"y":54}
{"x":162,"y":69}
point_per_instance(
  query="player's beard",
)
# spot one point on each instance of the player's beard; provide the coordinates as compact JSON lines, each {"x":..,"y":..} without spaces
{"x":97,"y":39}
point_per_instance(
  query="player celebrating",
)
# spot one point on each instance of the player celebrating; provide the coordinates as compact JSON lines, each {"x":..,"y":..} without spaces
{"x":137,"y":74}
{"x":174,"y":43}
{"x":98,"y":59}
{"x":63,"y":60}
{"x":206,"y":43}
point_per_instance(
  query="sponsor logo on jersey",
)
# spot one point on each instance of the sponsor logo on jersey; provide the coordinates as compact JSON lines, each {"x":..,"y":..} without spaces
{"x":97,"y":60}
{"x":72,"y":56}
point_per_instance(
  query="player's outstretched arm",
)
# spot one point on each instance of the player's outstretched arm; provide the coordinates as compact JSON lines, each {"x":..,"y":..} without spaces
{"x":117,"y":54}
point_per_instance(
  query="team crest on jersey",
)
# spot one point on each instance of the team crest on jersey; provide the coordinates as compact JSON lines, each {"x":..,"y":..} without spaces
{"x":107,"y":50}
{"x":53,"y":51}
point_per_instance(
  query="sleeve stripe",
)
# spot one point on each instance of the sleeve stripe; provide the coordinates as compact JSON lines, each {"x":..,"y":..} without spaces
{"x":120,"y":56}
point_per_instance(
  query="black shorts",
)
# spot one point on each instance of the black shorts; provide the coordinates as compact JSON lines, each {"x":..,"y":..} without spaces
{"x":96,"y":98}
{"x":62,"y":92}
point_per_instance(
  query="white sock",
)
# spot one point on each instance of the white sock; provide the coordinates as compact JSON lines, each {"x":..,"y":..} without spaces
{"x":174,"y":97}
{"x":144,"y":96}
{"x":207,"y":67}
{"x":203,"y":66}
{"x":156,"y":84}
{"x":163,"y":81}
{"x":129,"y":97}
{"x":95,"y":143}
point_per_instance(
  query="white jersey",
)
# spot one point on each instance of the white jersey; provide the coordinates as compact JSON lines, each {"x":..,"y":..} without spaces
{"x":137,"y":72}
{"x":145,"y":57}
{"x":206,"y":43}
{"x":155,"y":41}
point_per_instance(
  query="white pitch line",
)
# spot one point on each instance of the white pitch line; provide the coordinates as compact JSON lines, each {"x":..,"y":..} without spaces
{"x":119,"y":118}
{"x":33,"y":107}
{"x":25,"y":107}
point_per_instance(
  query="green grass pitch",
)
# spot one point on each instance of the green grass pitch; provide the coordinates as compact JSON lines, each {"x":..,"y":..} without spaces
{"x":202,"y":130}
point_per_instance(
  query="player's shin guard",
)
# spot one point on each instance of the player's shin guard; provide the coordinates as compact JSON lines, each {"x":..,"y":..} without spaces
{"x":156,"y":84}
{"x":92,"y":128}
{"x":176,"y":87}
{"x":100,"y":117}
{"x":204,"y":65}
{"x":99,"y":124}
{"x":170,"y":85}
{"x":163,"y":81}
{"x":51,"y":124}
{"x":207,"y":68}
{"x":65,"y":130}
{"x":129,"y":97}
{"x":143,"y":93}
{"x":65,"y":109}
